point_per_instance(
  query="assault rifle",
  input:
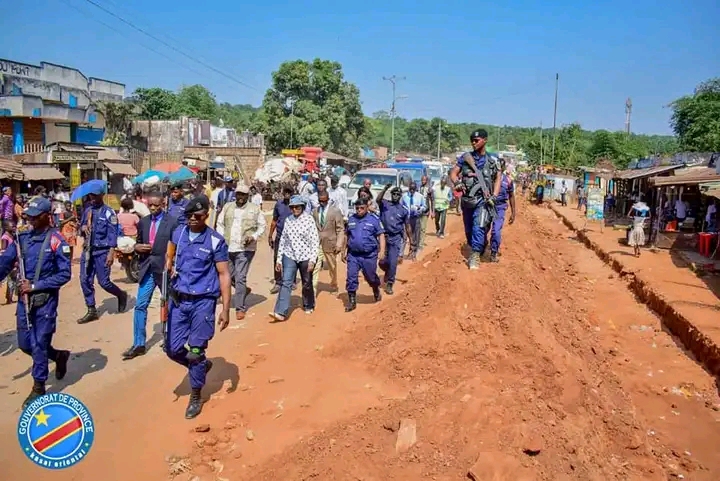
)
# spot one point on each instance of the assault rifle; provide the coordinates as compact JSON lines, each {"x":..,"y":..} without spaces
{"x":165,"y":289}
{"x":21,"y":277}
{"x":87,"y":239}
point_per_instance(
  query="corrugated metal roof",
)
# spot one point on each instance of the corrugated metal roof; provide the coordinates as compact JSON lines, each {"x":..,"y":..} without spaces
{"x":118,"y":168}
{"x":637,"y":173}
{"x":42,"y":173}
{"x":688,"y":177}
{"x":10,"y":169}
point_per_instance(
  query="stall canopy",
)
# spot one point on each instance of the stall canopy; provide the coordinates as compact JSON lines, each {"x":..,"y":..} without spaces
{"x":691,"y":176}
{"x":10,"y":169}
{"x":638,"y":173}
{"x":41,"y":173}
{"x":121,"y":169}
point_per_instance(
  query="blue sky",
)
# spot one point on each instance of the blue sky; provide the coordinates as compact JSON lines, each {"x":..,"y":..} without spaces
{"x":463,"y":61}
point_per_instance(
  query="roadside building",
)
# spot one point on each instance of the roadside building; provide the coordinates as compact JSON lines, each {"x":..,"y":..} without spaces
{"x":47,"y":103}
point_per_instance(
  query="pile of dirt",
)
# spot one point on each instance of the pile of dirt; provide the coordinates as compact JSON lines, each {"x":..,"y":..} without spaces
{"x":502,"y":372}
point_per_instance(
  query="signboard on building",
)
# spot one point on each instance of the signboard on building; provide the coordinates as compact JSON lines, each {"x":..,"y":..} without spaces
{"x":63,"y":157}
{"x":595,"y":204}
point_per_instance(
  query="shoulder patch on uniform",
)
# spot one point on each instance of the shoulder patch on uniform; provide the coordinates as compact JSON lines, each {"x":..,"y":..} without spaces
{"x":113,"y":219}
{"x":215,"y":242}
{"x":55,"y":242}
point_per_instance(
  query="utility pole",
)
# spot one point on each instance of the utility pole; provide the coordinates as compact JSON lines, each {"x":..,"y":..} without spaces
{"x":628,"y":112}
{"x":439,"y":137}
{"x":557,"y":81}
{"x":541,"y":146}
{"x":393,"y":80}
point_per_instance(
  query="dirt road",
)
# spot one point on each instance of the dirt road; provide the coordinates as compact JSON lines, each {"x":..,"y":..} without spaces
{"x":541,"y":367}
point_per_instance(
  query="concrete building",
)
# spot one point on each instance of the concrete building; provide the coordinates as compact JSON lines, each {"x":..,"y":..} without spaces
{"x":41,"y":105}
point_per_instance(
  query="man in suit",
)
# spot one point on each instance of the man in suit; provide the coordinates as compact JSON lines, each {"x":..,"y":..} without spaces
{"x":331,"y":225}
{"x":154,"y":234}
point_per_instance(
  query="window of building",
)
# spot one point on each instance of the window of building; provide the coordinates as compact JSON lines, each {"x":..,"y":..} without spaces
{"x":16,"y":90}
{"x":72,"y":101}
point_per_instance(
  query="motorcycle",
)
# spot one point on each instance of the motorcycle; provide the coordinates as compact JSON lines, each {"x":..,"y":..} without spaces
{"x":127,"y":257}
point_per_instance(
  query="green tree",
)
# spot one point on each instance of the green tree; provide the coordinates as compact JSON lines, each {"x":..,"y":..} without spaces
{"x":155,"y":103}
{"x":198,"y":102}
{"x":118,"y":117}
{"x":696,"y":118}
{"x":310,"y":103}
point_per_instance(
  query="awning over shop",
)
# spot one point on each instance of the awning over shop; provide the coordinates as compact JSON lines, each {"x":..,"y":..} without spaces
{"x":121,"y":169}
{"x":638,"y":173}
{"x":10,"y":169}
{"x":41,"y":173}
{"x":690,"y":176}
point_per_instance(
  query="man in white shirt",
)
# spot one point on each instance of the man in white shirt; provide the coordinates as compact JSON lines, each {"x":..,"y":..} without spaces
{"x":241,"y":223}
{"x":680,"y":211}
{"x":59,"y":197}
{"x":338,"y":197}
{"x":256,"y":197}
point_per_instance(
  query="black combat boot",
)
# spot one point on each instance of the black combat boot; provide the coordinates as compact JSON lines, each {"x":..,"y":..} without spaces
{"x":194,"y":405}
{"x":37,"y":391}
{"x":61,"y":362}
{"x":377,"y":294}
{"x":352,"y":302}
{"x":122,"y":302}
{"x":90,"y":316}
{"x":389,"y":289}
{"x":494,"y":257}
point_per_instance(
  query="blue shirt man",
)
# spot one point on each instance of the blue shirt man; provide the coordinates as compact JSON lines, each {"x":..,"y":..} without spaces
{"x":198,"y":257}
{"x":505,"y":197}
{"x":476,"y":175}
{"x":416,"y":204}
{"x":394,"y":216}
{"x":47,"y":264}
{"x":99,"y":229}
{"x":364,"y":242}
{"x":177,"y":204}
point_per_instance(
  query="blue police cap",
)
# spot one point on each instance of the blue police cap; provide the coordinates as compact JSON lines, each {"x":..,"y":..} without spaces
{"x":228,"y":178}
{"x":197,"y":204}
{"x":37,"y":206}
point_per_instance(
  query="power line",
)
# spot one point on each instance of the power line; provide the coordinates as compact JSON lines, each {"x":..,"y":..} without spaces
{"x":166,"y":44}
{"x":121,"y":33}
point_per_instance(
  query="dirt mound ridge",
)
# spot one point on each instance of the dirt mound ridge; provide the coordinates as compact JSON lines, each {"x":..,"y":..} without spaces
{"x":500,"y":364}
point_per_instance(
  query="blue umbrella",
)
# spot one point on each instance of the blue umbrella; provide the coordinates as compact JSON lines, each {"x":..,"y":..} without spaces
{"x":150,"y":173}
{"x":84,"y":189}
{"x":182,"y":175}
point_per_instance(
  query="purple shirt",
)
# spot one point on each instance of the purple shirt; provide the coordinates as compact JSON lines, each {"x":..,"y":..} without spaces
{"x":6,"y":207}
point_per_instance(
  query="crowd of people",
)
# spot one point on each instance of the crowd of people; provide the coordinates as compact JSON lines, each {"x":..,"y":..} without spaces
{"x":199,"y":242}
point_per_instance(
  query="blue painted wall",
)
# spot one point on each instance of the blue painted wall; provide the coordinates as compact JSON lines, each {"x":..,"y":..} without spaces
{"x":88,"y":135}
{"x":18,"y":136}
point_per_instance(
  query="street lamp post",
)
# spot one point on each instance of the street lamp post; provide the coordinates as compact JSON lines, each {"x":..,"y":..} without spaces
{"x":393,"y":80}
{"x":292,"y":120}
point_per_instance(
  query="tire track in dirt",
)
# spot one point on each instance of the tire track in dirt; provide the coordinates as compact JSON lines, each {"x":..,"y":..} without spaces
{"x":513,"y":369}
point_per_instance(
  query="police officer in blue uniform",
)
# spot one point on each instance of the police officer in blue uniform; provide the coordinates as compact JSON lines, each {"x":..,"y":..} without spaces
{"x":505,"y":197}
{"x":198,"y":260}
{"x":394,"y":217}
{"x":99,"y":229}
{"x":476,"y":176}
{"x":177,"y":204}
{"x":47,"y":263}
{"x":364,"y":241}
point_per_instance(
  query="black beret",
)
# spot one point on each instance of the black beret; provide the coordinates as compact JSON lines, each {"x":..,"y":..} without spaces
{"x":361,"y":201}
{"x":197,"y":204}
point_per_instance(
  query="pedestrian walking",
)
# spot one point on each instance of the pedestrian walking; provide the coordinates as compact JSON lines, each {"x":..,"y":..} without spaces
{"x":440,"y":199}
{"x":281,"y":212}
{"x":69,"y":227}
{"x":177,"y":203}
{"x":394,"y":216}
{"x":364,"y":244}
{"x":100,"y":233}
{"x":153,"y":235}
{"x":504,"y":198}
{"x":241,"y":223}
{"x":476,"y":175}
{"x":563,"y":194}
{"x":426,"y":192}
{"x":331,"y":227}
{"x":416,"y":204}
{"x":338,"y":196}
{"x":45,"y":257}
{"x":197,"y":257}
{"x":297,"y":252}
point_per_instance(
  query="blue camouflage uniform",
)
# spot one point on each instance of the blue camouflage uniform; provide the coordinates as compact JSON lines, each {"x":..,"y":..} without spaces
{"x":176,"y":208}
{"x":475,"y":234}
{"x":507,"y":189}
{"x":103,"y":237}
{"x":394,"y":217}
{"x":196,"y":288}
{"x":363,"y":249}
